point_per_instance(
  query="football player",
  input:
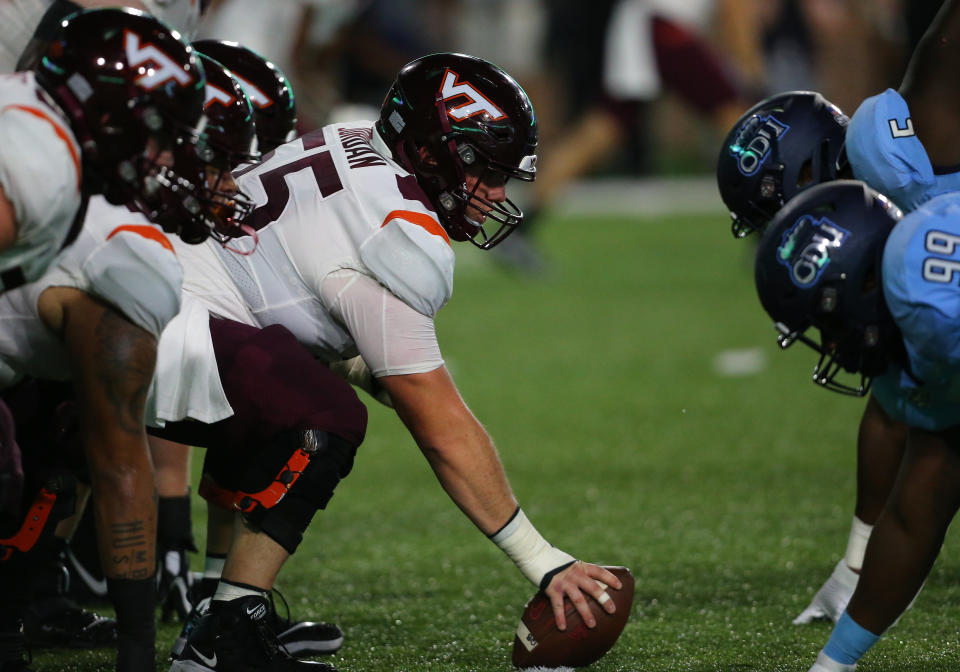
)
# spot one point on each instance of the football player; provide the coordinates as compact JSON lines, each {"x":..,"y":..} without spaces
{"x":902,"y":144}
{"x":883,"y":296}
{"x":132,"y":94}
{"x":275,"y":116}
{"x":274,"y":108}
{"x":393,"y":195}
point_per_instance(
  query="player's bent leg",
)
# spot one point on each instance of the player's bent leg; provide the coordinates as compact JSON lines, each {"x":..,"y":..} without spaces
{"x":275,"y":526}
{"x":292,"y":438}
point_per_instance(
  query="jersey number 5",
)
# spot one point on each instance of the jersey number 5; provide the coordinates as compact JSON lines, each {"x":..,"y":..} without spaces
{"x":278,"y":192}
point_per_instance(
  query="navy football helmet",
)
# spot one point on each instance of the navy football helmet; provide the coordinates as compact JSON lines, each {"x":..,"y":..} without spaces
{"x":267,"y":88}
{"x":778,"y":148}
{"x":818,"y":265}
{"x":448,"y":116}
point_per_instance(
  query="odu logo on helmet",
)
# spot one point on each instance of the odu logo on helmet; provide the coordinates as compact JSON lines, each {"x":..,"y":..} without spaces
{"x":752,"y":153}
{"x":807,"y":264}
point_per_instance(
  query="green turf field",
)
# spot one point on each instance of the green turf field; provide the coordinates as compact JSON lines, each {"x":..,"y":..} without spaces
{"x":729,"y":497}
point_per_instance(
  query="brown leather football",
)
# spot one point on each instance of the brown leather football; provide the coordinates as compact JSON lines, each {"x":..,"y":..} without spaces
{"x":538,"y":642}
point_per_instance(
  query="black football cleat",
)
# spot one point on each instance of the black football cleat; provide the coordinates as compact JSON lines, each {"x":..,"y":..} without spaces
{"x":59,"y":622}
{"x":235,"y":636}
{"x":301,"y":639}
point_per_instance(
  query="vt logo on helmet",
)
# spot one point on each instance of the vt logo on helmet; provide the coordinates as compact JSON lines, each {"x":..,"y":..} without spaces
{"x":160,"y":67}
{"x":475,"y":104}
{"x":267,"y":88}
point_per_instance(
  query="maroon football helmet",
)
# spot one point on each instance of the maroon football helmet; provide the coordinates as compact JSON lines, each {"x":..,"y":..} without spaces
{"x":133,"y":93}
{"x":471,"y":118}
{"x":267,"y":88}
{"x":228,"y":140}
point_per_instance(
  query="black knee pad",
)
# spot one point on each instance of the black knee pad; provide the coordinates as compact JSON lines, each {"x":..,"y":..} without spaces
{"x":254,"y":466}
{"x":286,"y":521}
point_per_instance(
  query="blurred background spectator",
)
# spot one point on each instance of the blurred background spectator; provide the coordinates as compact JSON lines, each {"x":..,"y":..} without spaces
{"x":621,"y":87}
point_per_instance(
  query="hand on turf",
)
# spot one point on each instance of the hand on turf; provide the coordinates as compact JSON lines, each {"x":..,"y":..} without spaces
{"x":832,"y":598}
{"x":578,"y":583}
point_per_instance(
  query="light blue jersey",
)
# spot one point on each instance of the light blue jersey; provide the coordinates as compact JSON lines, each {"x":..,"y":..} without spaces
{"x":884,"y":152}
{"x":921,"y":283}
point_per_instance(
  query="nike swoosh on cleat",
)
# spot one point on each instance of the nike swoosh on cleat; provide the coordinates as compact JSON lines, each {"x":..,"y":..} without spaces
{"x":211,"y":662}
{"x":96,"y":586}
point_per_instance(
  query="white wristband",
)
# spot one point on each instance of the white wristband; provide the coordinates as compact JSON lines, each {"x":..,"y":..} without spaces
{"x":533,"y":555}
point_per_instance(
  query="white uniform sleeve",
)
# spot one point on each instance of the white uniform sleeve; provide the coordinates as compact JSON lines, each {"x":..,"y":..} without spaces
{"x":126,"y":261}
{"x":411,"y":255}
{"x":39,"y":173}
{"x":393,"y":338}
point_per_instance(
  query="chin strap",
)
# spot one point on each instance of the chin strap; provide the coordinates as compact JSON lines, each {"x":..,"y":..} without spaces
{"x":248,"y":231}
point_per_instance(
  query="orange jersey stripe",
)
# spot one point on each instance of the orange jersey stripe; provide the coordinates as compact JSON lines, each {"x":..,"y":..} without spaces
{"x":420,"y":219}
{"x":62,"y":134}
{"x":149,"y":232}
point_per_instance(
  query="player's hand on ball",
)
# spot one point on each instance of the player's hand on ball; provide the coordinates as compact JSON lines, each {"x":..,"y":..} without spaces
{"x":578,"y":583}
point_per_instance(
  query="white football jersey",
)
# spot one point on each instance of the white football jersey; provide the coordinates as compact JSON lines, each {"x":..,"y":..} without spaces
{"x":329,"y":201}
{"x":118,"y":257}
{"x":350,"y":257}
{"x":39,"y":173}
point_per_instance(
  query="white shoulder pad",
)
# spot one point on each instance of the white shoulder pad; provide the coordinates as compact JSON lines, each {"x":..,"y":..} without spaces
{"x":34,"y":143}
{"x":136,"y":271}
{"x":411,"y":256}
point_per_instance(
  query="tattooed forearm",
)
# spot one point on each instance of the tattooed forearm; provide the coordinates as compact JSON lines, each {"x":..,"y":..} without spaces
{"x":125,"y":356}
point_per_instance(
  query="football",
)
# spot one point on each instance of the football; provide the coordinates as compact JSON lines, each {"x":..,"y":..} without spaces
{"x":538,"y":642}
